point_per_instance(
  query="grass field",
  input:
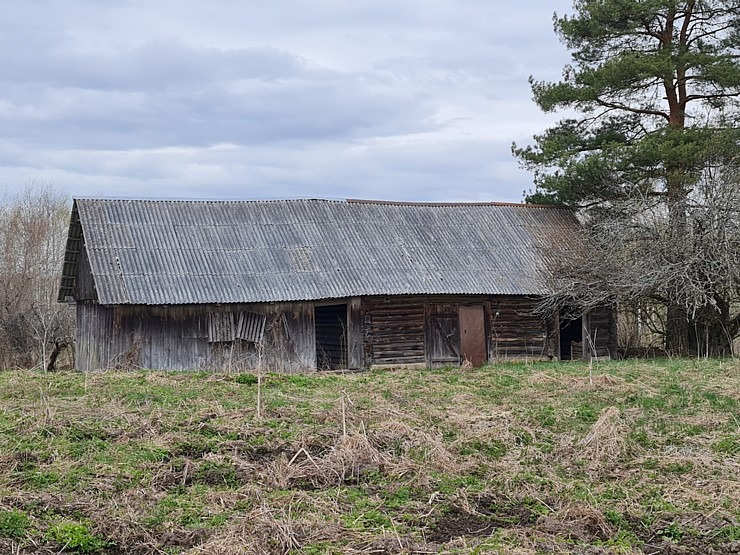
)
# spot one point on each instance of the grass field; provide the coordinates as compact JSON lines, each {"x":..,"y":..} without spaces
{"x":643,"y":457}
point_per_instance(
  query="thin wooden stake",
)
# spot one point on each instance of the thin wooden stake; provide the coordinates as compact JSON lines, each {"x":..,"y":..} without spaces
{"x":259,"y":395}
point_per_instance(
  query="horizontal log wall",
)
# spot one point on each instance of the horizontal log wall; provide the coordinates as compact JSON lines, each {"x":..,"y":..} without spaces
{"x":515,"y":332}
{"x":398,"y":330}
{"x":393,"y":330}
{"x":381,"y":331}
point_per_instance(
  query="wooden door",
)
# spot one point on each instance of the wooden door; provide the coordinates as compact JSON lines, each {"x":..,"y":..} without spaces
{"x":444,"y":335}
{"x":473,"y":334}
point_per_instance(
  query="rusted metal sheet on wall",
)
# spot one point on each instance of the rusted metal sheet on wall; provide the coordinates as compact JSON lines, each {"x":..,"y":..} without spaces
{"x":473,"y":334}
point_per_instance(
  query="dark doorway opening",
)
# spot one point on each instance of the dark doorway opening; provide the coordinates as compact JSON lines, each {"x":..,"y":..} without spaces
{"x":331,"y":336}
{"x":571,"y":337}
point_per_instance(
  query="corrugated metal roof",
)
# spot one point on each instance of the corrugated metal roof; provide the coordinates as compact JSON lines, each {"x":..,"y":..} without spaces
{"x":184,"y":252}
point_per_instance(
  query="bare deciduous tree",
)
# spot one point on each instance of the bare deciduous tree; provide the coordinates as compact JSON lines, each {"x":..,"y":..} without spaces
{"x":633,"y":258}
{"x":34,"y":329}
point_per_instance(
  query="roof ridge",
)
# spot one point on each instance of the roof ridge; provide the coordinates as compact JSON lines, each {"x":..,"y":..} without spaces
{"x":322,"y":200}
{"x":205,"y":200}
{"x":432,"y":203}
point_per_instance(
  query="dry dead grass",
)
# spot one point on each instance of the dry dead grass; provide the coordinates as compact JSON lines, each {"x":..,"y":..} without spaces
{"x":605,"y":440}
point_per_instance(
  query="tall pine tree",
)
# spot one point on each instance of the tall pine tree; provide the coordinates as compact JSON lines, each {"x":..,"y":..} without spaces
{"x":654,"y":90}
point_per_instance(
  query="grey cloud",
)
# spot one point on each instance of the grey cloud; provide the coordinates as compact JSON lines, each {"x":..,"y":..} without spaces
{"x":161,"y":64}
{"x":259,"y":113}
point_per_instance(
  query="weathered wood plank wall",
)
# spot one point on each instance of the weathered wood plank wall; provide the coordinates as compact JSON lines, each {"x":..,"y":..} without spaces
{"x":355,"y":354}
{"x":385,"y":331}
{"x":425,"y":330}
{"x":442,"y":332}
{"x":84,"y":283}
{"x":177,"y":337}
{"x":95,"y":336}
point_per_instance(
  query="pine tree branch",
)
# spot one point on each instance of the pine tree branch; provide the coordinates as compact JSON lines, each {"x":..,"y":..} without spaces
{"x":711,"y":96}
{"x":642,"y":111}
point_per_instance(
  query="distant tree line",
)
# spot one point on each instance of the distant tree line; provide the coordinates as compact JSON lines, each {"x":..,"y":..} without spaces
{"x":35,"y":330}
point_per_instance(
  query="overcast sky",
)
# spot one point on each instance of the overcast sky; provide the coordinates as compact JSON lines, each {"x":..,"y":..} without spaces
{"x":398,"y":100}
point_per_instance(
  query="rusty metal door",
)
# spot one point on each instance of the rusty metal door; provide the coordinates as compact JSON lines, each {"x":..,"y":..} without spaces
{"x":473,"y":334}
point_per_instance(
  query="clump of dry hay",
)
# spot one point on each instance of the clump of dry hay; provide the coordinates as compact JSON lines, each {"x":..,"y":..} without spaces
{"x":392,"y":448}
{"x":300,"y":520}
{"x":577,"y":521}
{"x":398,"y":440}
{"x":543,"y":377}
{"x":605,"y":440}
{"x":596,"y":381}
{"x":351,"y":457}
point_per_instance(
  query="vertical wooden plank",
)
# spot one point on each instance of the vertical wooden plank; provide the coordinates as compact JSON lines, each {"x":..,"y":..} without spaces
{"x":330,"y":323}
{"x":84,"y":282}
{"x":428,"y":335}
{"x":94,"y":335}
{"x":354,"y":335}
{"x":290,"y":344}
{"x":82,"y":339}
{"x":306,"y":331}
{"x":444,"y":329}
{"x":556,"y":328}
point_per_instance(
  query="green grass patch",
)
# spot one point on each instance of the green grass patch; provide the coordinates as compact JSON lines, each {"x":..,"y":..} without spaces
{"x":14,"y":524}
{"x":75,"y":537}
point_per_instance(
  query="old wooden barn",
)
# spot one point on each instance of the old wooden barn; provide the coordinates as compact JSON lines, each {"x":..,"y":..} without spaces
{"x":298,"y":285}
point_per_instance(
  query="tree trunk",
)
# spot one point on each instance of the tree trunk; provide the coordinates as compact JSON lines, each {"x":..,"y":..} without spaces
{"x":680,"y":337}
{"x":58,"y":348}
